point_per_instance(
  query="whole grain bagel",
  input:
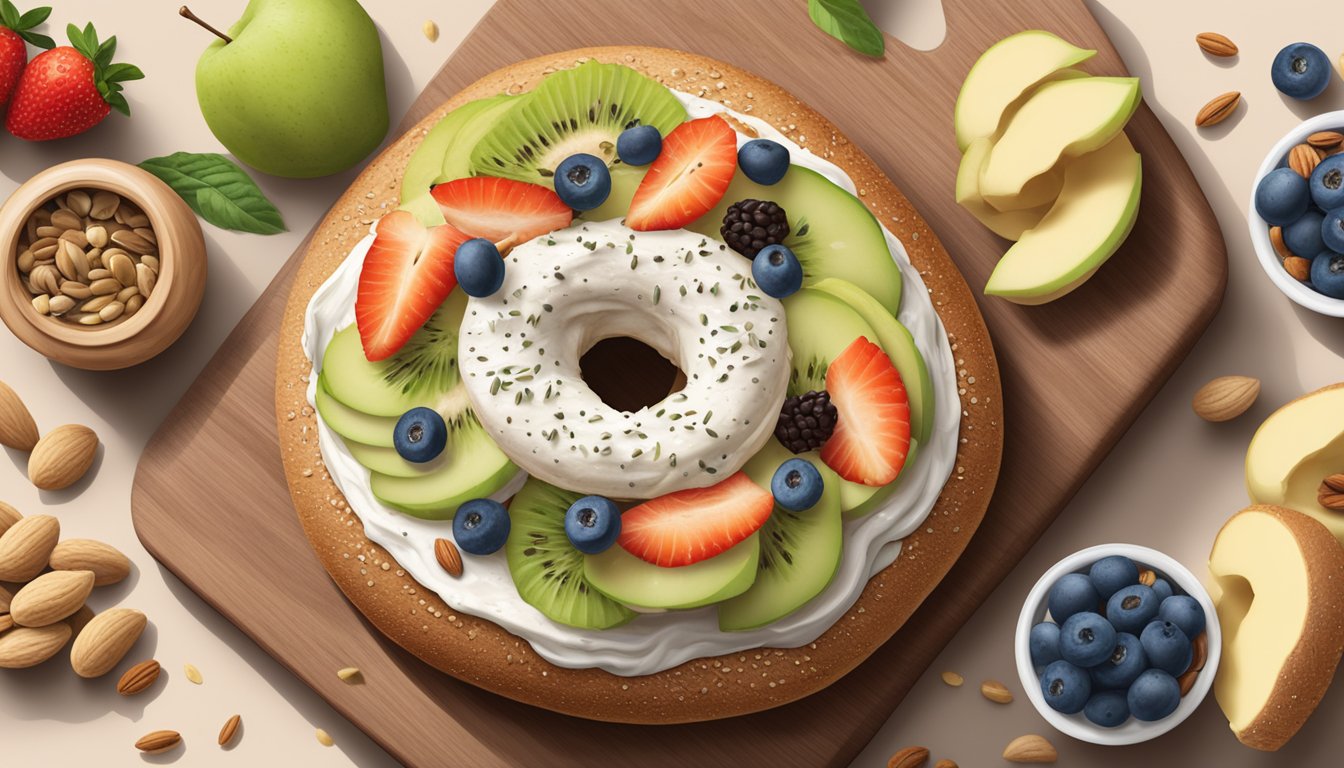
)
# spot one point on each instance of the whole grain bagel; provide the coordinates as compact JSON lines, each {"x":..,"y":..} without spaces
{"x":479,"y":652}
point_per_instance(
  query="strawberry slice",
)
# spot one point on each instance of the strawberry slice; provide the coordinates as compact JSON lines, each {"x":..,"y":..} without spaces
{"x":484,"y":206}
{"x":695,"y":524}
{"x":688,"y":178}
{"x":407,"y":274}
{"x":872,"y":429}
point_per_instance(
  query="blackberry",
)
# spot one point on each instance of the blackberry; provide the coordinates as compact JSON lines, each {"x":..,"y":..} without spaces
{"x":806,"y":421}
{"x":750,"y":225}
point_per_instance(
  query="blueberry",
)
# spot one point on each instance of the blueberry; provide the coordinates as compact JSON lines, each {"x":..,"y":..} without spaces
{"x":1327,"y":274}
{"x":1327,"y":184}
{"x":592,"y":524}
{"x":420,"y":435}
{"x":1332,"y":232}
{"x":1130,"y":609}
{"x":1066,"y":688}
{"x":481,"y":526}
{"x":1167,"y":647}
{"x":1301,"y":70}
{"x":1044,"y":643}
{"x":763,"y":161}
{"x":1126,"y":662}
{"x":478,"y":267}
{"x":1086,"y":639}
{"x":1162,"y":590}
{"x":1185,"y":612}
{"x":797,"y":485}
{"x":1073,"y":593}
{"x":1305,"y":235}
{"x":1154,"y":695}
{"x":1110,"y":574}
{"x":639,"y":145}
{"x":582,"y":182}
{"x":1108,"y":709}
{"x":1282,"y":196}
{"x":777,"y":271}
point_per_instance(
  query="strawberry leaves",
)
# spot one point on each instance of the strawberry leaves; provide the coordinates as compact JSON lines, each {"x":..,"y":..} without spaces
{"x":107,"y":76}
{"x":23,"y":23}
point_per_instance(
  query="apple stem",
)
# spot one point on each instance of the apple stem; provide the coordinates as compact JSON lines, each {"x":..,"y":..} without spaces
{"x":186,"y":13}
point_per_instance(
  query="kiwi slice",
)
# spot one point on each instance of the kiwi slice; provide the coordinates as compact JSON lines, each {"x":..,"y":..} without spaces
{"x":547,"y":569}
{"x":575,"y":110}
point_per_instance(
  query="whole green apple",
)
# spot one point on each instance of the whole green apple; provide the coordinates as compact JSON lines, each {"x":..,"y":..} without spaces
{"x":297,"y":89}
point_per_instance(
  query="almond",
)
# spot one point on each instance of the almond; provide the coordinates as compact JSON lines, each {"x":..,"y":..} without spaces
{"x":229,"y":730}
{"x":26,"y":547}
{"x":106,"y":639}
{"x":910,"y":757}
{"x":1330,"y":494}
{"x":1218,"y":109}
{"x":1187,"y":680}
{"x":106,"y":562}
{"x":8,"y":517}
{"x":1276,"y":240}
{"x":953,"y":679}
{"x":17,"y":428}
{"x":1326,"y":139}
{"x":6,"y":622}
{"x":1200,"y":652}
{"x":1303,"y":159}
{"x":5,"y":597}
{"x":449,"y":558}
{"x":1147,"y":577}
{"x":27,"y":646}
{"x":945,"y":763}
{"x":138,"y":678}
{"x":51,"y":597}
{"x":1215,"y":44}
{"x":1226,"y":397}
{"x":1030,"y":749}
{"x":158,"y":741}
{"x":1299,"y":268}
{"x":996,"y":692}
{"x":62,"y":457}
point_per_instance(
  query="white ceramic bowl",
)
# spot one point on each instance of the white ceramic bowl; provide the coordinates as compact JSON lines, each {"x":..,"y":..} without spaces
{"x":1133,"y":731}
{"x":1264,"y":250}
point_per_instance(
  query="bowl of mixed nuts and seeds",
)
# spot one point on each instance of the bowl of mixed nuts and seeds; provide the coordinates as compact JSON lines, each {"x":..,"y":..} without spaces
{"x":102,"y":265}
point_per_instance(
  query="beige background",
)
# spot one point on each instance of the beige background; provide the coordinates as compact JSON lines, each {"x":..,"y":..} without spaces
{"x":1169,"y":484}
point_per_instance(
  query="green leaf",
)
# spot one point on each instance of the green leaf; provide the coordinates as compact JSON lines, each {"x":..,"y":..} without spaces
{"x":121,"y":72}
{"x":38,"y":40}
{"x":848,"y":22}
{"x":103,"y":57}
{"x":118,"y":102}
{"x":9,"y":15}
{"x":34,"y":17}
{"x":219,"y":191}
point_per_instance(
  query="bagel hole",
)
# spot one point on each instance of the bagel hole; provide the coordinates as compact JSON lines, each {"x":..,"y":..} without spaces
{"x":628,"y":375}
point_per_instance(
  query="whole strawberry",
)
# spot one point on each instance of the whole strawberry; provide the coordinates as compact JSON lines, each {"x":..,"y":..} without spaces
{"x":68,"y":90}
{"x":16,"y":31}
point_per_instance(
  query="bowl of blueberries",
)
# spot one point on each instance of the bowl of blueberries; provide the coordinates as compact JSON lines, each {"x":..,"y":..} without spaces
{"x":1117,"y":644}
{"x":1308,"y":214}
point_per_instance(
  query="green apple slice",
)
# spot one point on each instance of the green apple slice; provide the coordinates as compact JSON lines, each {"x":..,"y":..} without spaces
{"x":1298,"y":445}
{"x":1008,"y":224}
{"x":633,"y":582}
{"x":1093,"y":216}
{"x":1002,"y":74}
{"x":1067,"y":118}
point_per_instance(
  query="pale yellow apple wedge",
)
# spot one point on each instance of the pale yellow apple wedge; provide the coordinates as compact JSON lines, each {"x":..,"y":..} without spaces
{"x":1093,"y":216}
{"x":1006,"y":224}
{"x":1066,"y":118}
{"x":1296,"y":447}
{"x":1002,"y":74}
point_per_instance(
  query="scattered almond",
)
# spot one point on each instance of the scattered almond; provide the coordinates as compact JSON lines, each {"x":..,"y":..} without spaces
{"x":6,"y":622}
{"x":193,"y":674}
{"x":1326,"y":139}
{"x":107,"y":563}
{"x":945,"y":763}
{"x":1218,"y":109}
{"x":158,"y":741}
{"x":996,"y":692}
{"x":51,"y":597}
{"x":1276,"y":240}
{"x":17,"y":428}
{"x":1147,"y":577}
{"x":106,"y":639}
{"x":910,"y":757}
{"x":1187,"y":680}
{"x":449,"y":558}
{"x":1200,"y":652}
{"x":62,"y":457}
{"x":1331,"y":492}
{"x":5,"y":597}
{"x":1215,"y":44}
{"x":324,"y":738}
{"x":430,"y":29}
{"x":1030,"y":749}
{"x":351,"y":675}
{"x":1298,"y":268}
{"x":138,"y":678}
{"x":1303,"y":159}
{"x":8,"y":517}
{"x":229,"y":730}
{"x":26,"y":547}
{"x":27,"y":646}
{"x":953,"y":679}
{"x":1226,"y":397}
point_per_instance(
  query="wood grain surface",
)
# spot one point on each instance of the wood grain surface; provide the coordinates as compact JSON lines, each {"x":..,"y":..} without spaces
{"x":1076,"y":374}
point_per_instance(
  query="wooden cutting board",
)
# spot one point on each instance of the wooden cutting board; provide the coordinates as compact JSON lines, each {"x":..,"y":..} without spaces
{"x":1075,"y":375}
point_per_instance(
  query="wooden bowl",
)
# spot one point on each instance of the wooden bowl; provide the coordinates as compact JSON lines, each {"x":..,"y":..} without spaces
{"x":167,"y":312}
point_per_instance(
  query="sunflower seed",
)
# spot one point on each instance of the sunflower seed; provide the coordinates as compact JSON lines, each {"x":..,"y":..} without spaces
{"x":46,"y":279}
{"x":27,"y":261}
{"x":152,"y":262}
{"x":145,"y":278}
{"x":90,"y":320}
{"x":75,"y":236}
{"x":97,"y":236}
{"x":128,"y":239}
{"x":122,"y":267}
{"x":108,"y":286}
{"x":99,"y":274}
{"x":76,"y":290}
{"x":112,"y":311}
{"x":137,"y":221}
{"x":146,"y":233}
{"x":134,"y":304}
{"x":105,"y":204}
{"x":96,"y":303}
{"x":59,"y":305}
{"x":79,"y":201}
{"x":126,"y":294}
{"x":42,"y":304}
{"x":49,"y":231}
{"x":66,"y":219}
